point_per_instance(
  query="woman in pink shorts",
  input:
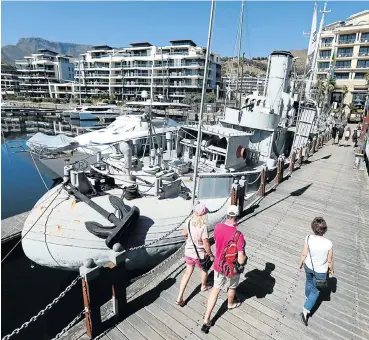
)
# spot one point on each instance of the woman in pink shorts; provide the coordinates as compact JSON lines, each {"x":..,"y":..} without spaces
{"x":200,"y":237}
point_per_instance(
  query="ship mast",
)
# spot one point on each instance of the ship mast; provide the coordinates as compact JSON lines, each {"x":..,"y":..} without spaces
{"x":204,"y":86}
{"x":240,"y":46}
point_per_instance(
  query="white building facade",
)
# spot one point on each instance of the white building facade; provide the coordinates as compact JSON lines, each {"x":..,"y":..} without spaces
{"x":174,"y":71}
{"x":41,"y":69}
{"x":9,"y":80}
{"x":247,"y":85}
{"x":344,"y":46}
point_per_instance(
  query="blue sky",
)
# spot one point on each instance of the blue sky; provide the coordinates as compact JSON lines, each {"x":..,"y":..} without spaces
{"x":268,"y":25}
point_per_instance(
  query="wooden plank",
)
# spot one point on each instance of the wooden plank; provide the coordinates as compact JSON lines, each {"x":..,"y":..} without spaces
{"x":115,"y":334}
{"x":129,"y":331}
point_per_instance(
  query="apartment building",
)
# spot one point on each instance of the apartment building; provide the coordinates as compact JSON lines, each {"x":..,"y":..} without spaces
{"x":174,"y":70}
{"x":345,"y":45}
{"x":42,"y":68}
{"x":9,"y":80}
{"x":248,"y":84}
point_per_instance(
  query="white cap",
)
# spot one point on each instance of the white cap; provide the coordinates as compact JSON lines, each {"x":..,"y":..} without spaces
{"x":232,"y":211}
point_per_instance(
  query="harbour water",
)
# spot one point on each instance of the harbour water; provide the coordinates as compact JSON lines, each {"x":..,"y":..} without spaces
{"x":21,"y":280}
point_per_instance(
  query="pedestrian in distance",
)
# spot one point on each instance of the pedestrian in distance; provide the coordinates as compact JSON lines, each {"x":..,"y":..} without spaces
{"x":230,"y":259}
{"x":317,"y":260}
{"x":197,"y":250}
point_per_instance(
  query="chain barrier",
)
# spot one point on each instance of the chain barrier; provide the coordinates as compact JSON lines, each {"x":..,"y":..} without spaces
{"x":257,"y":178}
{"x":70,"y":325}
{"x":42,"y":311}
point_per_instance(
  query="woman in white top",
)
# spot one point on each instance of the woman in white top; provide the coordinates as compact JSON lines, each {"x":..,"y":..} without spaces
{"x":200,"y":237}
{"x":317,"y":259}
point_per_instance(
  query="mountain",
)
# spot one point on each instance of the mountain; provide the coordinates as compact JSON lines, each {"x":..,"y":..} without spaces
{"x":27,"y":46}
{"x":258,"y":66}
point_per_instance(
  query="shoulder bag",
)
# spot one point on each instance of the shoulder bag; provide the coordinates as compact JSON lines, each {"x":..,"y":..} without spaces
{"x":206,"y":262}
{"x":321,"y":284}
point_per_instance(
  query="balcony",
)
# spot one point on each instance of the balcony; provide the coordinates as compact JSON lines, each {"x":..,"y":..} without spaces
{"x":323,"y":69}
{"x":326,"y":44}
{"x":364,"y":40}
{"x":362,"y":66}
{"x":325,"y":57}
{"x":342,"y":67}
{"x":346,"y":41}
{"x":344,"y":55}
{"x":363,"y":54}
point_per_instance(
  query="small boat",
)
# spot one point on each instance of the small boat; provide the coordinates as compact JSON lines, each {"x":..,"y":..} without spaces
{"x":93,"y":112}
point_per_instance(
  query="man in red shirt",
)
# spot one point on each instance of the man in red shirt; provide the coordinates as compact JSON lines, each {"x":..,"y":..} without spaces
{"x":223,"y":233}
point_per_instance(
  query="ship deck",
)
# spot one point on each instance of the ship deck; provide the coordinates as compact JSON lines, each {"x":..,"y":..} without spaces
{"x":327,"y":186}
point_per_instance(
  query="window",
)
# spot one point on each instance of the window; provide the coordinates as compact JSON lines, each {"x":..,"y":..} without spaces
{"x":323,"y":65}
{"x":325,"y":54}
{"x":347,"y":38}
{"x":363,"y":64}
{"x":359,"y":75}
{"x":343,"y":64}
{"x":359,"y":98}
{"x":342,"y":75}
{"x":365,"y":37}
{"x":327,"y":42}
{"x":344,"y":52}
{"x":364,"y":51}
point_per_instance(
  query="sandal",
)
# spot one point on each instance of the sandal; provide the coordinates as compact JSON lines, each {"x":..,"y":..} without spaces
{"x":205,"y":288}
{"x":206,"y":327}
{"x":181,"y":303}
{"x":235,"y":304}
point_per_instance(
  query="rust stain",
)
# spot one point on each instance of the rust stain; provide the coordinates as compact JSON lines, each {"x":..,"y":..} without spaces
{"x":73,"y":204}
{"x":58,"y":227}
{"x":78,"y":221}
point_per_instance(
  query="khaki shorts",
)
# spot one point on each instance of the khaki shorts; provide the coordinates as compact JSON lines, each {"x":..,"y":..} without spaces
{"x":223,"y":282}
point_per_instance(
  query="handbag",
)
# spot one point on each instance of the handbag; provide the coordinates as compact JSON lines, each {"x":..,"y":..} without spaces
{"x":321,"y":284}
{"x":206,"y":262}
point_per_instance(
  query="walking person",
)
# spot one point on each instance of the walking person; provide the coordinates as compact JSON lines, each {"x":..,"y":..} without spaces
{"x":197,"y":250}
{"x":317,"y":260}
{"x":354,"y":138}
{"x":230,"y":258}
{"x":347,"y":135}
{"x":340,"y":134}
{"x":334,"y":133}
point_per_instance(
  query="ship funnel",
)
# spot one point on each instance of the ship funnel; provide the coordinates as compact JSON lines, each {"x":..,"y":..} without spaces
{"x":278,"y":79}
{"x":126,"y":150}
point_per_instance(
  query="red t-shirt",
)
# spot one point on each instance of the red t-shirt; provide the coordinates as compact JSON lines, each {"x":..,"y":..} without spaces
{"x":223,"y":233}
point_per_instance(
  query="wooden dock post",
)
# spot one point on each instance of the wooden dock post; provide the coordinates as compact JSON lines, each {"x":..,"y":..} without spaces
{"x":262,"y":182}
{"x":300,"y":157}
{"x":292,"y":163}
{"x":235,"y":190}
{"x":90,"y":272}
{"x":280,"y":169}
{"x":119,"y":283}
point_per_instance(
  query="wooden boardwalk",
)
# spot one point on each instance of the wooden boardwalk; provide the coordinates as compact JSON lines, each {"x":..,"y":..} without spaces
{"x":12,"y":226}
{"x":328,"y":186}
